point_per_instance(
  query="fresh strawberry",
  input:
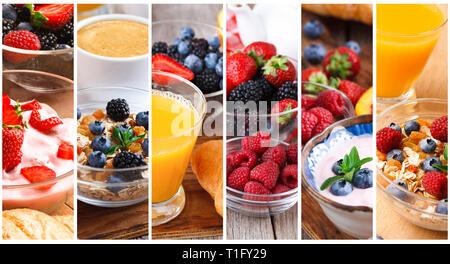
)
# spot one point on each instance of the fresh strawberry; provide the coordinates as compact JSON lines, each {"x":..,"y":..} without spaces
{"x":309,"y":121}
{"x":276,"y":154}
{"x":388,"y":139}
{"x":307,"y":102}
{"x":38,"y":174}
{"x":284,"y":105}
{"x":240,"y":68}
{"x":292,"y":153}
{"x":238,"y":178}
{"x":65,"y":151}
{"x":266,"y":173}
{"x":43,"y":125}
{"x":322,"y":114}
{"x":244,"y":158}
{"x":164,"y":63}
{"x":289,"y":176}
{"x":260,"y":51}
{"x":315,"y":76}
{"x":435,"y":183}
{"x":352,"y":90}
{"x":254,"y":187}
{"x":12,"y":115}
{"x":279,"y":70}
{"x":12,"y":137}
{"x":230,"y":86}
{"x":439,"y":128}
{"x":33,"y":105}
{"x":52,"y":16}
{"x":331,"y":100}
{"x":20,"y":39}
{"x":342,"y":63}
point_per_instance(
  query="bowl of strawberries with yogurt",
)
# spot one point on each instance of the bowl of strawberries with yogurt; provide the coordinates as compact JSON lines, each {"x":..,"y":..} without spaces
{"x":412,"y":160}
{"x":37,"y":150}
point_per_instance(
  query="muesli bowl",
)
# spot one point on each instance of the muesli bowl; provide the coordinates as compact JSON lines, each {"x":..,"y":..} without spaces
{"x":92,"y":183}
{"x":257,"y":205}
{"x":353,"y":220}
{"x":415,"y":208}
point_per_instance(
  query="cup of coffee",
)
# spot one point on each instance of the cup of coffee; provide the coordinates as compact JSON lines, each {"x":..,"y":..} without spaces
{"x":113,"y":51}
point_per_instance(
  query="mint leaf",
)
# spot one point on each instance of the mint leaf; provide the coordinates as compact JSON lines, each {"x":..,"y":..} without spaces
{"x":329,"y":181}
{"x":112,"y":150}
{"x":446,"y":152}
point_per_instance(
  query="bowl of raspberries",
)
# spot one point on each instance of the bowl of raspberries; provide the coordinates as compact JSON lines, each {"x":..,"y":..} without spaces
{"x":261,"y":175}
{"x":38,"y":37}
{"x":412,"y":157}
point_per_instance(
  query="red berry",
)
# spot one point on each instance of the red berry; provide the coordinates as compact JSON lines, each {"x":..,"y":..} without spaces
{"x":266,"y":173}
{"x":315,"y":76}
{"x":12,"y":141}
{"x":58,"y":15}
{"x":22,"y":40}
{"x":254,"y":143}
{"x":254,"y":187}
{"x":164,"y":63}
{"x":388,"y":139}
{"x":352,"y":90}
{"x":280,"y":188}
{"x":322,"y":114}
{"x":341,"y":62}
{"x":308,"y":102}
{"x":439,"y":128}
{"x":279,"y":70}
{"x":435,"y":183}
{"x":319,"y":128}
{"x":65,"y":151}
{"x":240,"y":68}
{"x":261,"y":49}
{"x":332,"y":101}
{"x":238,"y":178}
{"x":309,"y":121}
{"x":244,"y":158}
{"x":292,"y":153}
{"x":43,"y":125}
{"x":289,"y":176}
{"x":33,"y":105}
{"x":276,"y":154}
{"x":38,"y":174}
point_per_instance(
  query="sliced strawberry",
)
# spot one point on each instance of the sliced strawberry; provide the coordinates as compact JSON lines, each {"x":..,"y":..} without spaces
{"x":52,"y":16}
{"x":12,"y":141}
{"x":33,"y":105}
{"x":164,"y":63}
{"x":39,"y":174}
{"x":65,"y":151}
{"x":43,"y":125}
{"x":12,"y":114}
{"x":20,"y":39}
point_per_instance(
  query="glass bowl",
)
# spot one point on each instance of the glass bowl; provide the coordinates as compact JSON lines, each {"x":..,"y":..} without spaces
{"x":415,"y":208}
{"x":258,"y":205}
{"x":32,"y":195}
{"x":353,"y":220}
{"x":92,"y":187}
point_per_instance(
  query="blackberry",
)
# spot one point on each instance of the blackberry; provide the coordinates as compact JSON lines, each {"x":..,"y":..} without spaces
{"x":247,"y":91}
{"x":127,"y":159}
{"x":287,"y":90}
{"x":200,"y":42}
{"x":66,"y":32}
{"x":118,"y":109}
{"x":23,"y":14}
{"x":267,"y":88}
{"x":8,"y":26}
{"x":48,"y":40}
{"x":199,"y":52}
{"x":172,"y":51}
{"x":159,"y":47}
{"x":207,"y":81}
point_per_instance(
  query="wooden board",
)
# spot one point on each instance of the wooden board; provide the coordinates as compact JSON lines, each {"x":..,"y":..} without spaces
{"x":315,"y":225}
{"x":199,"y":218}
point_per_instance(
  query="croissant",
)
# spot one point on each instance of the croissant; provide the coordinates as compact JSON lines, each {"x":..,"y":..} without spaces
{"x":357,"y":12}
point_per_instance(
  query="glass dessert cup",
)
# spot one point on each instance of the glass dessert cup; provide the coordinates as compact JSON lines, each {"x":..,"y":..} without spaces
{"x":91,"y":182}
{"x":400,"y":61}
{"x":353,"y":220}
{"x":415,"y":208}
{"x":171,"y":154}
{"x":34,"y":195}
{"x":257,"y":205}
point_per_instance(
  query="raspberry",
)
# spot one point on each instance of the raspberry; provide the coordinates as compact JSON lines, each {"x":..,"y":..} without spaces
{"x":238,"y":178}
{"x":275,"y":154}
{"x":332,"y":101}
{"x":292,"y":153}
{"x":309,"y":121}
{"x":307,"y":102}
{"x":244,"y":158}
{"x":322,"y":114}
{"x":388,"y":139}
{"x":280,"y":188}
{"x":435,"y":183}
{"x":254,"y":143}
{"x":289,"y":176}
{"x":255,"y":187}
{"x":266,"y":173}
{"x":439,"y":128}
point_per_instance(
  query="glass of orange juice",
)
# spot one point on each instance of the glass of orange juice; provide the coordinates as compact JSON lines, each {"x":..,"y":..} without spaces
{"x":178,"y":110}
{"x":406,"y":36}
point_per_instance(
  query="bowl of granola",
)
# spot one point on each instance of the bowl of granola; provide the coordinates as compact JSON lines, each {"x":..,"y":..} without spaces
{"x":412,"y":161}
{"x":112,"y":146}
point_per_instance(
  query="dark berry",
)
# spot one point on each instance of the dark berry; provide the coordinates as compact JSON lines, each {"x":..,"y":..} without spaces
{"x":187,"y":33}
{"x":9,"y":12}
{"x":184,"y":48}
{"x":199,"y":52}
{"x":427,"y":164}
{"x":395,"y":154}
{"x":314,"y":53}
{"x":121,"y":178}
{"x":78,"y":113}
{"x":353,"y":45}
{"x":193,"y":63}
{"x":142,"y":119}
{"x":336,"y":167}
{"x":24,"y":26}
{"x":207,"y":81}
{"x":363,"y":178}
{"x":341,"y":187}
{"x":101,"y":143}
{"x":97,"y":159}
{"x":288,"y":90}
{"x":23,"y":14}
{"x":145,"y":147}
{"x":8,"y":26}
{"x":395,"y":127}
{"x":411,"y":126}
{"x":48,"y":39}
{"x":442,"y":208}
{"x":159,"y":47}
{"x":200,"y":42}
{"x":214,"y":42}
{"x":118,"y":109}
{"x":396,"y":191}
{"x":247,"y":91}
{"x":313,"y":29}
{"x":126,"y":159}
{"x":96,"y":127}
{"x":124,"y":128}
{"x":427,"y":145}
{"x":66,"y":32}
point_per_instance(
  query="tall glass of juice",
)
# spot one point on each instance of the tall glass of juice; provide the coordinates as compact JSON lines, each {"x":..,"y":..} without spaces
{"x":406,"y":36}
{"x":178,"y":110}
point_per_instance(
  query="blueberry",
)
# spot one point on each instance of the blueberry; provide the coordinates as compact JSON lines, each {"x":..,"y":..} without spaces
{"x":395,"y":154}
{"x":220,"y":60}
{"x":145,"y":147}
{"x":63,"y":46}
{"x":184,"y":48}
{"x":113,"y":178}
{"x":427,"y":164}
{"x":313,"y":29}
{"x":193,"y":63}
{"x":341,"y":187}
{"x":96,"y":127}
{"x":363,"y":178}
{"x":142,"y":119}
{"x":442,"y":208}
{"x":411,"y":126}
{"x":101,"y":143}
{"x":427,"y":145}
{"x":78,"y":113}
{"x":187,"y":33}
{"x":124,"y":128}
{"x":97,"y":159}
{"x":314,"y":53}
{"x":353,"y":45}
{"x":24,"y":26}
{"x":9,"y":12}
{"x":395,"y":127}
{"x":221,"y":84}
{"x":176,"y":41}
{"x":219,"y":69}
{"x":336,"y":167}
{"x":397,"y":192}
{"x":214,"y":42}
{"x":211,"y":60}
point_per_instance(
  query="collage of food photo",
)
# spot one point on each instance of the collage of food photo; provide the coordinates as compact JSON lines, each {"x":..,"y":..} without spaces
{"x":215,"y":85}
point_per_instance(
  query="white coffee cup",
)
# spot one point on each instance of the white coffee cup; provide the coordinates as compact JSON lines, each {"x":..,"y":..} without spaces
{"x":95,"y":70}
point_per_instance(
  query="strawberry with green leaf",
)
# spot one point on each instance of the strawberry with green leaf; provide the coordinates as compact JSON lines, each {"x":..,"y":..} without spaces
{"x":341,"y":63}
{"x":285,"y":105}
{"x":50,"y":16}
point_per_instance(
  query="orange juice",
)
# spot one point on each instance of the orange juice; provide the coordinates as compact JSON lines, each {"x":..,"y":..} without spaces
{"x":406,"y":36}
{"x":87,"y":7}
{"x":173,"y":139}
